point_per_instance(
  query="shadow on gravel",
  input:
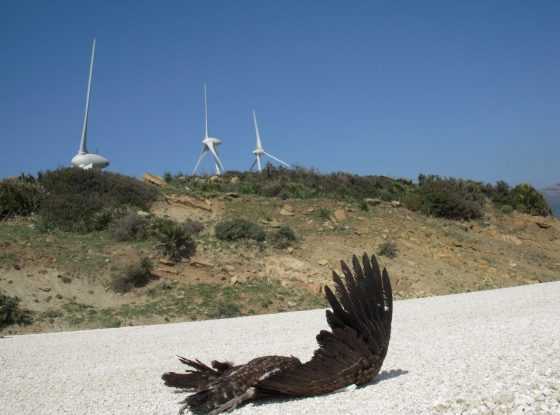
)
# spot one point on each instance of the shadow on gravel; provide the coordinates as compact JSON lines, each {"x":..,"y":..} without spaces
{"x":385,"y":375}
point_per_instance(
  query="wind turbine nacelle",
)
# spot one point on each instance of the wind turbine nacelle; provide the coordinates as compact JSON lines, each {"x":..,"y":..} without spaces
{"x":212,"y":140}
{"x":258,"y":151}
{"x":89,"y":161}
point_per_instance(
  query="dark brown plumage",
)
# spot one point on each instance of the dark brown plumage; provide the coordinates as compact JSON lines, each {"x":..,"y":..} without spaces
{"x":351,"y":353}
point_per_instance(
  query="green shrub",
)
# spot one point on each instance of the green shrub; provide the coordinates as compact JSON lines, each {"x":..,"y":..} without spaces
{"x":388,"y":249}
{"x":136,"y":275}
{"x":507,"y":209}
{"x":11,"y":313}
{"x":129,"y":227}
{"x":85,"y":200}
{"x":234,"y":229}
{"x":283,"y":237}
{"x":193,"y":227}
{"x":19,"y":197}
{"x":449,"y":198}
{"x":528,"y":200}
{"x":168,"y":177}
{"x":324,"y":213}
{"x":175,"y":241}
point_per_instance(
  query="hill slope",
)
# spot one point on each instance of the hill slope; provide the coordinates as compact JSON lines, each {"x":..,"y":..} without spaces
{"x":64,"y":278}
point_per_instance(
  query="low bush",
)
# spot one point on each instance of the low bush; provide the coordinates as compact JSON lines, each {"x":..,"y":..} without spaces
{"x":175,"y":241}
{"x":129,"y":227}
{"x":11,"y":313}
{"x":507,"y":209}
{"x":388,"y":249}
{"x":448,"y":198}
{"x":283,"y":237}
{"x":193,"y":227}
{"x":527,"y":199}
{"x":19,"y":197}
{"x":136,"y":275}
{"x":234,"y":229}
{"x":85,"y":200}
{"x":324,"y":213}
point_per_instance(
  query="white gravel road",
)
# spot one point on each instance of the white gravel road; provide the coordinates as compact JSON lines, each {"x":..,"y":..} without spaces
{"x":487,"y":352}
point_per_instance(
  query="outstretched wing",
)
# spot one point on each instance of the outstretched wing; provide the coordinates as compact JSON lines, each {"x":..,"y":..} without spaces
{"x":354,"y":350}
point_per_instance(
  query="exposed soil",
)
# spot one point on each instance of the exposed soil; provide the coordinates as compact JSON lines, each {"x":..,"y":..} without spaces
{"x":65,"y":278}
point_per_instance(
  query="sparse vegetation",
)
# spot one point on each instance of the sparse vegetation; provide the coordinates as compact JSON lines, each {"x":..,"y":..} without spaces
{"x":527,"y":199}
{"x":234,"y":229}
{"x":388,"y":249}
{"x":19,"y":197}
{"x":324,"y":214}
{"x":447,"y":198}
{"x":136,"y":275}
{"x":174,"y":240}
{"x":129,"y":227}
{"x":283,"y":237}
{"x":193,"y":227}
{"x":79,"y":200}
{"x":11,"y":313}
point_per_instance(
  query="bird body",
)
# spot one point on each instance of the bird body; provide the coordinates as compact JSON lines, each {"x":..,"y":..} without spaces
{"x":352,"y":352}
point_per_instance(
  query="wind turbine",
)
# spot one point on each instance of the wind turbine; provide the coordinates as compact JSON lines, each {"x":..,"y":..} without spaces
{"x":259,"y":151}
{"x":84,"y":159}
{"x":209,"y":144}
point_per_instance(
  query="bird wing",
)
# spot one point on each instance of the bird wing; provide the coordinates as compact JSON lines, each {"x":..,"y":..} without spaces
{"x":354,"y":350}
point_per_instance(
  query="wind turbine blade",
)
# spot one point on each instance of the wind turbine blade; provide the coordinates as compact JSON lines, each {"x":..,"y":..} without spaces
{"x":216,"y":158}
{"x":259,"y":162}
{"x":83,"y":141}
{"x":277,"y":159}
{"x":205,"y":113}
{"x":259,"y":144}
{"x":200,"y":157}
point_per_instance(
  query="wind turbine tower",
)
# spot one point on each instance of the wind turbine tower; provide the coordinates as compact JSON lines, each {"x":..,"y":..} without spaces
{"x":84,"y":159}
{"x":259,"y":150}
{"x":209,"y":144}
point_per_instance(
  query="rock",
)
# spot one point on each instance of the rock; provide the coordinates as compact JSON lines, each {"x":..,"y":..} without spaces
{"x":395,"y":203}
{"x":143,"y":213}
{"x":200,"y":264}
{"x":190,"y":201}
{"x":155,"y":180}
{"x":340,"y":214}
{"x":229,"y":268}
{"x":45,"y":289}
{"x":166,"y":261}
{"x":290,"y":250}
{"x":232,"y":195}
{"x":323,"y":262}
{"x":234,"y":180}
{"x":271,"y":222}
{"x":214,"y":178}
{"x":543,"y":225}
{"x":292,"y":303}
{"x":287,"y":210}
{"x":233,"y":280}
{"x":372,"y":201}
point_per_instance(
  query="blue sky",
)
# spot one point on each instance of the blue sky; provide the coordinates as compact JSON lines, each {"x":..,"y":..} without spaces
{"x":465,"y":89}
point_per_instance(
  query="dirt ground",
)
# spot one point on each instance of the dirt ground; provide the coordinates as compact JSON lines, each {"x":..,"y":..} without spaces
{"x":64,"y":278}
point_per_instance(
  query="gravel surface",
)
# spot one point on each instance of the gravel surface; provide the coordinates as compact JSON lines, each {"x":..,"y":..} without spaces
{"x":492,"y":352}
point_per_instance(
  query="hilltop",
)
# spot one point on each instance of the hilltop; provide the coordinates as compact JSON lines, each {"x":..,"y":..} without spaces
{"x":188,"y":248}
